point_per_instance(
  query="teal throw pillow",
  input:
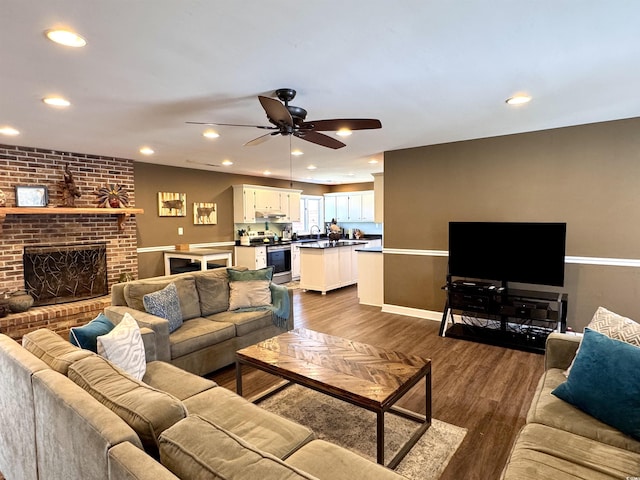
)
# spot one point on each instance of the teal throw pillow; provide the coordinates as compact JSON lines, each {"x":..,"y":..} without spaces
{"x":247,"y":275}
{"x":604,"y":382}
{"x":85,"y":336}
{"x":165,"y":304}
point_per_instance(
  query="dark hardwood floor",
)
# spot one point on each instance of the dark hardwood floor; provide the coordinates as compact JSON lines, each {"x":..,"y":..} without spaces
{"x":486,"y":389}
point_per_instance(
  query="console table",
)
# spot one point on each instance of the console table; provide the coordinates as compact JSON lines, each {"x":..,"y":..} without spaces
{"x":513,"y":318}
{"x":203,"y":255}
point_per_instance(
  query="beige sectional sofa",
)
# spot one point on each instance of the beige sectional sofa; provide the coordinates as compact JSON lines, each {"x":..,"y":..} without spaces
{"x":68,"y":413}
{"x":210,"y":333}
{"x":560,"y":441}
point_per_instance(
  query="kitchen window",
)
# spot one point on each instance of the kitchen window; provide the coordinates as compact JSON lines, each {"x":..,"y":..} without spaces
{"x":311,"y":213}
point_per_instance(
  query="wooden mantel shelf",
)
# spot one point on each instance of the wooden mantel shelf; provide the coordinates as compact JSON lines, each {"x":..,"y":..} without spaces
{"x":121,"y":213}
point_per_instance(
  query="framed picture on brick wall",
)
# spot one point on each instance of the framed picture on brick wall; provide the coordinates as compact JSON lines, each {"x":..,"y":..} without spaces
{"x":32,"y":196}
{"x":172,"y":204}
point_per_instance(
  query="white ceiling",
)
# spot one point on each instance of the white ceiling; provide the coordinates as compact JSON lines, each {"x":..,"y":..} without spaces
{"x":432,"y":71}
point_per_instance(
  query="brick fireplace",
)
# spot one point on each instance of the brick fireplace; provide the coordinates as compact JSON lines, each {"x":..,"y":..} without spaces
{"x":35,"y":166}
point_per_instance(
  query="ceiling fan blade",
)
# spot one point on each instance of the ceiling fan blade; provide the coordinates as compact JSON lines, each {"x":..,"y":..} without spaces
{"x":319,"y":138}
{"x":276,"y":111}
{"x":268,"y":127}
{"x":259,"y":140}
{"x":339,"y":123}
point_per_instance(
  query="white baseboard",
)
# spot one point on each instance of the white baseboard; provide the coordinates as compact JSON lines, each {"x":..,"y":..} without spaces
{"x":412,"y":312}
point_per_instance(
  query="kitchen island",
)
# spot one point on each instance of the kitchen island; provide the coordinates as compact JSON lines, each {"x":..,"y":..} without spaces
{"x":326,"y":265}
{"x":371,"y":267}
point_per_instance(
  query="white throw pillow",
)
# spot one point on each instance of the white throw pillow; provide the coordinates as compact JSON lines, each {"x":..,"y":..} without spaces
{"x":613,"y":326}
{"x":123,"y":347}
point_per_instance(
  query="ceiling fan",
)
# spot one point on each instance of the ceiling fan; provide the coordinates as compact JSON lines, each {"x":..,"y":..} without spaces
{"x":290,"y":120}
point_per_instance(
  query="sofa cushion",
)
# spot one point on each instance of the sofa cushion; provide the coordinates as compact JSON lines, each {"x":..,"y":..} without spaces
{"x":544,"y":452}
{"x":175,"y":381}
{"x":53,"y":350}
{"x":199,"y":333}
{"x":326,"y":460}
{"x":549,"y":410}
{"x":85,"y":336}
{"x":165,"y":304}
{"x":249,"y":288}
{"x":134,"y":293}
{"x":213,"y":291}
{"x":604,"y":382}
{"x":147,"y":410}
{"x":615,"y":326}
{"x":123,"y":346}
{"x":267,"y":431}
{"x":246,"y":322}
{"x":186,"y":450}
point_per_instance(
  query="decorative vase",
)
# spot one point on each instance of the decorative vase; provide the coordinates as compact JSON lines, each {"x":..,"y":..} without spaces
{"x":20,"y":301}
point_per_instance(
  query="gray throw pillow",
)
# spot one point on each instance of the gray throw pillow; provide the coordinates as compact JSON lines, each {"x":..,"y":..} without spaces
{"x":165,"y":304}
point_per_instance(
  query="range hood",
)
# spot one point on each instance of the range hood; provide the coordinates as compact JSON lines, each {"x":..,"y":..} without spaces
{"x":270,"y":214}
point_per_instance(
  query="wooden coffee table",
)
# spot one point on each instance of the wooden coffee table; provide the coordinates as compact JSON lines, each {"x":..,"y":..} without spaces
{"x":369,"y":377}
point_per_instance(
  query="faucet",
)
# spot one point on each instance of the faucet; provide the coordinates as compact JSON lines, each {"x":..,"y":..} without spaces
{"x":317,"y":228}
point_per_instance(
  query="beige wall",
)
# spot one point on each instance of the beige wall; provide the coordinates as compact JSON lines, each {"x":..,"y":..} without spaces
{"x":586,"y":176}
{"x":200,"y":186}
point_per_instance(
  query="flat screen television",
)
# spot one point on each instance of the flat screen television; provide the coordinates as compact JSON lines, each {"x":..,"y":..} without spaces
{"x":508,"y":251}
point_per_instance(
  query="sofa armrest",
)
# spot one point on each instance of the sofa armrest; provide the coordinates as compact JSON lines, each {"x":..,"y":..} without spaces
{"x":149,"y":341}
{"x":560,"y":350}
{"x":127,"y":462}
{"x":160,"y":327}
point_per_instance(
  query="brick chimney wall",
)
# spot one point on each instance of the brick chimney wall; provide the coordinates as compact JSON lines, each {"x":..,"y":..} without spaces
{"x":36,"y":166}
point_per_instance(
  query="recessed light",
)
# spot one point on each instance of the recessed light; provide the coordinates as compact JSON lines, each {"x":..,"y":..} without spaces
{"x":373,"y":161}
{"x":210,"y":134}
{"x":227,"y":163}
{"x":297,"y":153}
{"x":344,"y":132}
{"x":65,"y":37}
{"x":266,"y":172}
{"x":56,"y":101}
{"x":518,"y":99}
{"x":9,"y":131}
{"x":311,"y":167}
{"x":146,"y":151}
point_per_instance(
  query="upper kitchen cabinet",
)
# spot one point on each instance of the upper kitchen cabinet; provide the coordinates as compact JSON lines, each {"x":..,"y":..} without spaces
{"x":254,"y":203}
{"x":350,"y":206}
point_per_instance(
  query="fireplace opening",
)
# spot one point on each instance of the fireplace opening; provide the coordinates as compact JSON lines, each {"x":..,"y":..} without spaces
{"x":56,"y":274}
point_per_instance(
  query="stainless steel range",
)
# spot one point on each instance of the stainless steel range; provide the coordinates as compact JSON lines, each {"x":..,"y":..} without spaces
{"x":279,"y":257}
{"x":278,"y":254}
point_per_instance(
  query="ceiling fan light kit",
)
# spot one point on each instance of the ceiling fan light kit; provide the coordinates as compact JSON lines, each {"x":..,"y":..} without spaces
{"x":288,"y":120}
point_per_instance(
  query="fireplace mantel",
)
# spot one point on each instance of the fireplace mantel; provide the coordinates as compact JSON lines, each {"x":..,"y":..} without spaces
{"x":121,"y":213}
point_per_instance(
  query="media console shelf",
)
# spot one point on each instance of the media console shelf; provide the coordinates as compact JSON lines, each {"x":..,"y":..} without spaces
{"x":513,"y":318}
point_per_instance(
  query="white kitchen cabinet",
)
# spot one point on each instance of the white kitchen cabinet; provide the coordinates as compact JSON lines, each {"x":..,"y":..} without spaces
{"x":251,"y":257}
{"x":244,"y":204}
{"x":295,"y":261}
{"x":367,"y":212}
{"x":329,"y":207}
{"x":267,"y":200}
{"x":350,"y":206}
{"x":342,"y":208}
{"x":247,"y":199}
{"x":290,"y":204}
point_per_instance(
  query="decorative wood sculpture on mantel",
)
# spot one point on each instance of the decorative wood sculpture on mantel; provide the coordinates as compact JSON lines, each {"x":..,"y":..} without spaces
{"x":70,"y":190}
{"x":113,"y":196}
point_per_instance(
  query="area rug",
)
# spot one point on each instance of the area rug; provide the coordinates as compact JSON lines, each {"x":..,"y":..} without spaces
{"x":292,"y":285}
{"x":355,"y":428}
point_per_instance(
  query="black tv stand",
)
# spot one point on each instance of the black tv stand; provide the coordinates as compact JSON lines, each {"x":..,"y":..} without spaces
{"x":499,"y":315}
